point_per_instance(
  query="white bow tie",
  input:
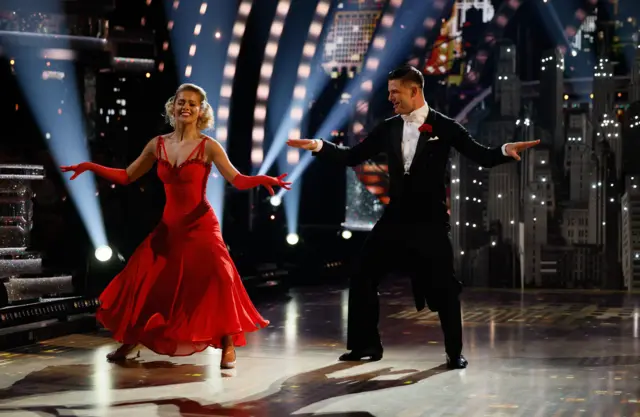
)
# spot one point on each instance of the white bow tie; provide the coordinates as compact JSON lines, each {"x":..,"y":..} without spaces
{"x":412,"y":118}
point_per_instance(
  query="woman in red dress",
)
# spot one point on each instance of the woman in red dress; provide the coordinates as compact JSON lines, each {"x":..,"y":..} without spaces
{"x":180,"y":292}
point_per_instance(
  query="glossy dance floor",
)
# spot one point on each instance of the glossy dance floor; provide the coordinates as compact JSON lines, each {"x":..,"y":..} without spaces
{"x":538,"y":354}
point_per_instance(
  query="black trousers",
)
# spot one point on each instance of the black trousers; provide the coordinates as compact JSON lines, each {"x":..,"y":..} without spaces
{"x":422,"y":251}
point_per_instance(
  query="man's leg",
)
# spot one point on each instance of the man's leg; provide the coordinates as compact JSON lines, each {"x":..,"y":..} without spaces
{"x":451,"y":323}
{"x":448,"y":289}
{"x":433,"y":263}
{"x":363,"y":337}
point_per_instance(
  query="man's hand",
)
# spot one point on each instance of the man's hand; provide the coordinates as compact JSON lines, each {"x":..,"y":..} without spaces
{"x":306,"y":144}
{"x":513,"y":149}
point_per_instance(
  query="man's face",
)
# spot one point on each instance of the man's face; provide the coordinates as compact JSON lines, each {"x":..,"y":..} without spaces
{"x":403,"y":96}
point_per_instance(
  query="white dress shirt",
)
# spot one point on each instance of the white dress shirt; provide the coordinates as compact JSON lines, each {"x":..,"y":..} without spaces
{"x":410,"y":135}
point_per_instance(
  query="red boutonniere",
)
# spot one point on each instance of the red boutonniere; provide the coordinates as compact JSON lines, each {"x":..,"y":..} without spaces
{"x":425,"y":128}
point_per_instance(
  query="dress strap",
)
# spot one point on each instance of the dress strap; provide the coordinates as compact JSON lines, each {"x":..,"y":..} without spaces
{"x":160,"y":148}
{"x":201,"y":148}
{"x":158,"y":141}
{"x":198,"y":150}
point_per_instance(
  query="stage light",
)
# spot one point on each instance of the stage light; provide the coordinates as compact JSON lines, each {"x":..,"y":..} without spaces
{"x":292,"y":239}
{"x":264,"y":86}
{"x":103,"y":253}
{"x":275,"y":201}
{"x":215,"y":193}
{"x":358,"y":88}
{"x":346,"y":234}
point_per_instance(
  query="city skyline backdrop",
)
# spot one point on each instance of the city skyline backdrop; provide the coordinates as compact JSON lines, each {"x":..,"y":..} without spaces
{"x":567,"y":215}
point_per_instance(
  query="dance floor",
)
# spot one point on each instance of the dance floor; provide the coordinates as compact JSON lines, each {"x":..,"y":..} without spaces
{"x":535,"y":354}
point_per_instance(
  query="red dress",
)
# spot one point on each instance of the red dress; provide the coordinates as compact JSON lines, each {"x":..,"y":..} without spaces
{"x":180,"y":291}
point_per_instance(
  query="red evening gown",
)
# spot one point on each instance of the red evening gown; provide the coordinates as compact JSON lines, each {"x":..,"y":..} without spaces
{"x":180,"y":291}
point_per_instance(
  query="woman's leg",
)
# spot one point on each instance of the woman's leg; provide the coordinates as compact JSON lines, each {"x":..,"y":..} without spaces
{"x":122,"y":352}
{"x":228,"y":359}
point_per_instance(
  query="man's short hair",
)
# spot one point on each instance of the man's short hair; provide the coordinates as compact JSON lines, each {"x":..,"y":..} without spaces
{"x":407,"y":73}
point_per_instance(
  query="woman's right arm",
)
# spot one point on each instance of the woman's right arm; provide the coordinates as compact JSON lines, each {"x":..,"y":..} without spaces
{"x":144,"y":162}
{"x":138,"y":168}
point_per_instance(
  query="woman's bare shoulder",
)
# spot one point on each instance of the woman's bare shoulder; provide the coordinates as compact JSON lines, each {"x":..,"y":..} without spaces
{"x":211,"y":142}
{"x":153,"y":143}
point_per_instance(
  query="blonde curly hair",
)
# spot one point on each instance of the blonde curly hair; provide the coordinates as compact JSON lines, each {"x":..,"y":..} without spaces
{"x":205,"y":120}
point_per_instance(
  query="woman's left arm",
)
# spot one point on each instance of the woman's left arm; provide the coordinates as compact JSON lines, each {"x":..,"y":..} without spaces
{"x":216,"y":154}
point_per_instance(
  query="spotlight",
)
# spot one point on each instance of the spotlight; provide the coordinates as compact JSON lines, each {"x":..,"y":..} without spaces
{"x":103,"y":253}
{"x":574,"y":53}
{"x":292,"y":239}
{"x":275,"y":201}
{"x":101,"y":266}
{"x":346,"y":234}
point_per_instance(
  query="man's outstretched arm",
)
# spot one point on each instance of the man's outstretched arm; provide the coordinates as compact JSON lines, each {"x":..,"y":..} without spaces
{"x":464,"y":143}
{"x":370,"y":146}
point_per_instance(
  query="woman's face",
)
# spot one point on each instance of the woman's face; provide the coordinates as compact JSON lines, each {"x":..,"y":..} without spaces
{"x":186,"y":107}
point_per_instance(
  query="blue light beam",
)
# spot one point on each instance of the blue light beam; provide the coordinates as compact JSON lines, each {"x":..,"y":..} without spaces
{"x":389,"y":46}
{"x":54,"y":103}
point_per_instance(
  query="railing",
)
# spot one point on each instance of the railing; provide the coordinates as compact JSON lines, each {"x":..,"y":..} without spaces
{"x":16,"y":218}
{"x":21,"y":271}
{"x":53,"y":24}
{"x":75,"y":30}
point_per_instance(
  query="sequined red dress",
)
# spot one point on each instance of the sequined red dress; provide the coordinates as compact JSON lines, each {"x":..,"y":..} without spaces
{"x":180,"y":291}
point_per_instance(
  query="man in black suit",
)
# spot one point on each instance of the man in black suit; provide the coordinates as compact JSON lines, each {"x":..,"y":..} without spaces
{"x":413,"y":235}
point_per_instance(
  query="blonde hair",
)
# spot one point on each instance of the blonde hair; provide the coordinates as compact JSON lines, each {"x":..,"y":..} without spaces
{"x":205,"y":120}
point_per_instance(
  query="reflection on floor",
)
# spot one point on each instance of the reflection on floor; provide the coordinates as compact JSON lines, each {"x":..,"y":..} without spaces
{"x":537,"y":354}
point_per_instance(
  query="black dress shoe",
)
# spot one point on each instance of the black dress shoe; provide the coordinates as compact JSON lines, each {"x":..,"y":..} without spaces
{"x":361,"y":355}
{"x":457,"y":362}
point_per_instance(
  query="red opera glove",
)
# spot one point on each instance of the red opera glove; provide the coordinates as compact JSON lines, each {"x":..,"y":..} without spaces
{"x":115,"y":175}
{"x":243,"y":182}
